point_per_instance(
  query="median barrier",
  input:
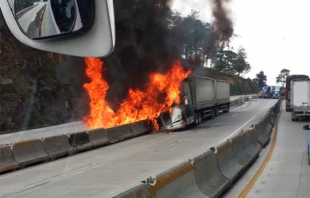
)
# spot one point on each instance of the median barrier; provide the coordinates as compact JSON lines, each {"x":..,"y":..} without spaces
{"x":262,"y":133}
{"x":57,"y":146}
{"x":208,"y":176}
{"x":119,"y":133}
{"x":178,"y":181}
{"x":139,"y":128}
{"x":140,"y":191}
{"x":79,"y":141}
{"x":227,"y":161}
{"x":239,"y":149}
{"x":7,"y":161}
{"x":29,"y":152}
{"x":252,"y":145}
{"x":98,"y":137}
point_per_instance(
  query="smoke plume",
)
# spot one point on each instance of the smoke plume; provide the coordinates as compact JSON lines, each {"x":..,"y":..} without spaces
{"x":222,"y":21}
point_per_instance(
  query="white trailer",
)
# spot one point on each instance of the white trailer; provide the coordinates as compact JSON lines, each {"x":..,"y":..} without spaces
{"x":300,"y":98}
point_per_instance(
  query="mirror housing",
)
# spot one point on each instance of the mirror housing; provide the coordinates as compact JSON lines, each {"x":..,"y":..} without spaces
{"x":96,"y":40}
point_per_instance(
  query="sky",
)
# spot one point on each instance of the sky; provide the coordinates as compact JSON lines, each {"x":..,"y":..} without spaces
{"x":274,"y":33}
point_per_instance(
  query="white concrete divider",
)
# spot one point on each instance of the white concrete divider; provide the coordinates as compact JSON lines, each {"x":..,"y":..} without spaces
{"x":80,"y":141}
{"x":7,"y":160}
{"x":240,"y":150}
{"x":262,"y":133}
{"x":140,"y":128}
{"x":57,"y":146}
{"x":119,"y":133}
{"x":29,"y":152}
{"x":252,"y":145}
{"x":178,"y":181}
{"x":98,"y":137}
{"x":227,"y":160}
{"x":208,"y":176}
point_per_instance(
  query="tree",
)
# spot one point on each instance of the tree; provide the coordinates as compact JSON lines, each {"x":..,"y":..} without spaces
{"x":282,"y":76}
{"x":260,"y":79}
{"x":231,"y":62}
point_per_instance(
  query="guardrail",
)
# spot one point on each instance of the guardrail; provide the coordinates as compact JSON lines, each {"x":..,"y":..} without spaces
{"x":25,"y":153}
{"x":213,"y":172}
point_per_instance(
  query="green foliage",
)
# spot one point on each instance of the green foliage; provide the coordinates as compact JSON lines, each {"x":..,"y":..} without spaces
{"x":260,"y":79}
{"x":232,"y":62}
{"x":281,"y":78}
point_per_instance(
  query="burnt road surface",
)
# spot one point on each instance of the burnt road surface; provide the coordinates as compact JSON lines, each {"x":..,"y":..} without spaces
{"x":110,"y":170}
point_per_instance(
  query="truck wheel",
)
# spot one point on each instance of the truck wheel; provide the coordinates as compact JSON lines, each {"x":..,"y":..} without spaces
{"x":199,"y":118}
{"x":309,"y":159}
{"x":196,"y":119}
{"x":212,"y":114}
{"x":228,"y":107}
{"x":216,"y":111}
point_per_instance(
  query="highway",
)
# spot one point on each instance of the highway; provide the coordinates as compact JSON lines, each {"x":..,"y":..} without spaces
{"x":287,"y":173}
{"x":110,"y":170}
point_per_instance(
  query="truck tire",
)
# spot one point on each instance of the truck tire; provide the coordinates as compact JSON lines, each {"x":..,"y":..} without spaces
{"x":212,"y":114}
{"x":196,"y":119}
{"x":217,"y":111}
{"x":199,"y":118}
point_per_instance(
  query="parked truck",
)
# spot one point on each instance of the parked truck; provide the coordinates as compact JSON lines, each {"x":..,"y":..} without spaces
{"x":202,"y":97}
{"x":288,"y":88}
{"x":300,"y":98}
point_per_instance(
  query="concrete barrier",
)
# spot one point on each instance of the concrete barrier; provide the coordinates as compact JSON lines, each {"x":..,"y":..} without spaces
{"x":239,"y":149}
{"x":252,"y":145}
{"x":98,"y":137}
{"x":227,"y":161}
{"x":7,"y":161}
{"x":178,"y":181}
{"x":208,"y":176}
{"x":119,"y":133}
{"x":80,"y":141}
{"x":262,"y":133}
{"x":139,"y":128}
{"x":29,"y":152}
{"x":140,"y":191}
{"x":57,"y":146}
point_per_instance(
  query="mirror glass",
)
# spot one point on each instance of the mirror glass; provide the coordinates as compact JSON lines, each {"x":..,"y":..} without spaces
{"x":49,"y":18}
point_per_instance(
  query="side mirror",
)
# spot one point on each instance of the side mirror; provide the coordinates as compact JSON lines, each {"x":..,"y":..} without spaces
{"x":84,"y":28}
{"x":306,"y":127}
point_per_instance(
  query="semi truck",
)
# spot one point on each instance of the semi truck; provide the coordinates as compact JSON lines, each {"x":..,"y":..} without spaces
{"x":288,"y":89}
{"x":202,"y":97}
{"x":300,"y":98}
{"x":266,"y":92}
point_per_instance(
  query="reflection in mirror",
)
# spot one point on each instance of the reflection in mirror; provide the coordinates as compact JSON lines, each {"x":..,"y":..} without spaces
{"x":48,"y":18}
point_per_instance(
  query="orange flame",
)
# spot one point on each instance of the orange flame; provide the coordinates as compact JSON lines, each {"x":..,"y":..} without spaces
{"x":159,"y":94}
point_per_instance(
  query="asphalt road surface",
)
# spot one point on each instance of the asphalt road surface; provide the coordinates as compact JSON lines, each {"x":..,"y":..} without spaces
{"x":287,"y":173}
{"x":109,"y":170}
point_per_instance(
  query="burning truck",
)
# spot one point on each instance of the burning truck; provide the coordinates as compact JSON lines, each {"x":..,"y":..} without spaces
{"x":202,"y":98}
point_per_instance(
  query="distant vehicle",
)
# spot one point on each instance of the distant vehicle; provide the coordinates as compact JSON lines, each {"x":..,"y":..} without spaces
{"x":202,"y":97}
{"x":288,"y":86}
{"x":300,"y":98}
{"x":277,"y":92}
{"x":266,"y":92}
{"x":306,"y":127}
{"x":259,"y":94}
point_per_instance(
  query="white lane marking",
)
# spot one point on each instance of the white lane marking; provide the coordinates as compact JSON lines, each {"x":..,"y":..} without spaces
{"x":170,"y":145}
{"x":240,"y":128}
{"x":234,"y":115}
